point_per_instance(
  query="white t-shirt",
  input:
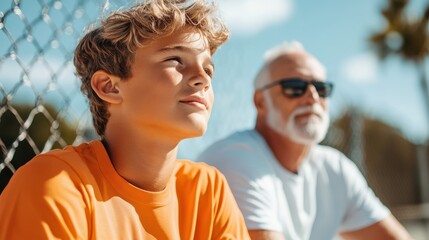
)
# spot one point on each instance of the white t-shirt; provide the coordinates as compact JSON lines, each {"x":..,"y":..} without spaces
{"x":327,"y":196}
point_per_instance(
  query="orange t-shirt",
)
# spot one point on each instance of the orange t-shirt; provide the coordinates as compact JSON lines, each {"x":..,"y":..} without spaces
{"x":75,"y":193}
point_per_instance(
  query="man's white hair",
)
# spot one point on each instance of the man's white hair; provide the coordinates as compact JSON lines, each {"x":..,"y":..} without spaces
{"x":282,"y":49}
{"x":286,"y":48}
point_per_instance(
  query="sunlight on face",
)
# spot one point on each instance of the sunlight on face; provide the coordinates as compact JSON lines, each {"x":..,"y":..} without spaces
{"x":305,"y":125}
{"x":309,"y":130}
{"x":170,"y":92}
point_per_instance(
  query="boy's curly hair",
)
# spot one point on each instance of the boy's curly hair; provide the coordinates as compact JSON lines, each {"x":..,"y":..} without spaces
{"x":112,"y":45}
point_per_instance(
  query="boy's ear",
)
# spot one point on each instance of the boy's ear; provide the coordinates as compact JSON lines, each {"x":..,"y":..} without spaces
{"x":106,"y":87}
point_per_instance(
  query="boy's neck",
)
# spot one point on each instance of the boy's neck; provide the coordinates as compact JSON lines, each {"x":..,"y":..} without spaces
{"x":144,"y":160}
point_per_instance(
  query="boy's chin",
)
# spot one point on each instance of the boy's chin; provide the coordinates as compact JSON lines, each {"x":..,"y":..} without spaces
{"x":197,"y":127}
{"x":196,"y":132}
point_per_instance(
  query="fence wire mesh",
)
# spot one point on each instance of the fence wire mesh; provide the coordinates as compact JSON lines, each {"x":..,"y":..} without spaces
{"x":41,"y":105}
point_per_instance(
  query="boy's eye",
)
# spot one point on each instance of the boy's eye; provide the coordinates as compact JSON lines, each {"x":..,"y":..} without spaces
{"x":209,"y":71}
{"x":175,"y":59}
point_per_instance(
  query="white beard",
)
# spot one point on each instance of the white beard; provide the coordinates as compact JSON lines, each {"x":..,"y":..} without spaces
{"x":310,"y":131}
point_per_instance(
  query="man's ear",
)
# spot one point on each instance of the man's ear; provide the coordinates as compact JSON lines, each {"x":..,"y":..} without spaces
{"x":259,"y":101}
{"x":106,"y":87}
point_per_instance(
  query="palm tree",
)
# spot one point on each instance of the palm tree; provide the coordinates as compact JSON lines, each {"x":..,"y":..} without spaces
{"x":408,"y":38}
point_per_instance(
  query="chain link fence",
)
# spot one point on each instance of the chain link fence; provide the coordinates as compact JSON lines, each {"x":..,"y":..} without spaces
{"x":41,"y":104}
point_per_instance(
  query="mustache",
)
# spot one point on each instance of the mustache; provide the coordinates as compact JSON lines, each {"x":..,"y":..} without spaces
{"x":313,"y":109}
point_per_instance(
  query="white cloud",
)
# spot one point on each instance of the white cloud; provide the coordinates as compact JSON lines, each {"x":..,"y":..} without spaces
{"x":251,"y":16}
{"x":361,"y":68}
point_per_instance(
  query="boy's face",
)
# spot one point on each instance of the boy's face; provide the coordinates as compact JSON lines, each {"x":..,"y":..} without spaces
{"x":170,"y":92}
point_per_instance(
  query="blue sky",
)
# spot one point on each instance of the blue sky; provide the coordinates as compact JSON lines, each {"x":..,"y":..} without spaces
{"x":335,"y":31}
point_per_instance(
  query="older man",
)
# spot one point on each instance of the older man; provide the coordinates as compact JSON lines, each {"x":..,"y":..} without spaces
{"x":286,"y":185}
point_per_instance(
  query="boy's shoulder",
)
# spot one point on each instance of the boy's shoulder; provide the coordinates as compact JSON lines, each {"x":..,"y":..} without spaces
{"x":54,"y":171}
{"x":189,"y":171}
{"x":71,"y":161}
{"x":69,"y":155}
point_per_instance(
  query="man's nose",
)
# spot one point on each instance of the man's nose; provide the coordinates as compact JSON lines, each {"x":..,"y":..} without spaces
{"x":311,"y":94}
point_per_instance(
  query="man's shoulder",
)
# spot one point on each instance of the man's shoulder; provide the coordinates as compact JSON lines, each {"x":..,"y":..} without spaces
{"x":327,"y":153}
{"x":244,"y":153}
{"x":232,"y":147}
{"x":332,"y":161}
{"x":245,"y":137}
{"x":328,"y":158}
{"x":325,"y":149}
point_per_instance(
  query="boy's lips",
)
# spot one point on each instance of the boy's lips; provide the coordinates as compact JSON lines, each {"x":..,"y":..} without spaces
{"x":196,"y":101}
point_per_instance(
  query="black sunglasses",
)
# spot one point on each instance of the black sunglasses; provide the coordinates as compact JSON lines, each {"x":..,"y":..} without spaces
{"x":296,"y":87}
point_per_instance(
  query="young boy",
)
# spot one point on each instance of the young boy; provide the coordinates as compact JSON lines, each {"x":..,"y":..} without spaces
{"x":147,"y":74}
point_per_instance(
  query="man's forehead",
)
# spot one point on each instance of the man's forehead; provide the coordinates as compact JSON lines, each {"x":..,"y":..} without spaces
{"x":297,"y":65}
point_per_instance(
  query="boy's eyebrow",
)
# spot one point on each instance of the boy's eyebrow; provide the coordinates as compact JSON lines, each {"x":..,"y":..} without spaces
{"x":184,"y":49}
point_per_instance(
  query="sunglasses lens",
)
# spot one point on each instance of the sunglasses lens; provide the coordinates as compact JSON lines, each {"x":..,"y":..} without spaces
{"x":294,"y":91}
{"x":294,"y":88}
{"x":324,"y":89}
{"x":297,"y":87}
